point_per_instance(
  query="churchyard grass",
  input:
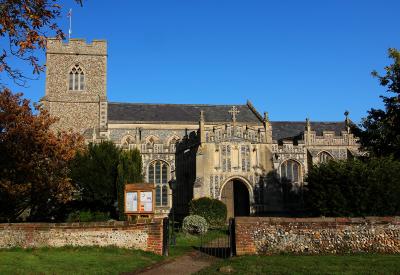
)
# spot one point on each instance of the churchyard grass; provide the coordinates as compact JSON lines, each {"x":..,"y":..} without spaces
{"x":74,"y":260}
{"x":323,"y":264}
{"x":186,"y":242}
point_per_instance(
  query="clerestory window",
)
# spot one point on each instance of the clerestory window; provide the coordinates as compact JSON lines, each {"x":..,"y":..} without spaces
{"x":76,"y":79}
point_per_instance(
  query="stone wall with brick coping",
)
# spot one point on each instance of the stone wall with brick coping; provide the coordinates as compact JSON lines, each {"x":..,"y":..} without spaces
{"x":144,"y":236}
{"x":264,"y":235}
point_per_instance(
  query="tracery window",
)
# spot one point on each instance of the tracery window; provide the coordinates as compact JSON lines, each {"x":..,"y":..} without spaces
{"x":158,"y":175}
{"x":226,"y":158}
{"x":76,"y":79}
{"x":324,"y":157}
{"x":290,"y":170}
{"x":245,"y":156}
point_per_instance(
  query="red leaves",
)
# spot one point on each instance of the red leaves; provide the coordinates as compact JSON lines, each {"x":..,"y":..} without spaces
{"x":33,"y":158}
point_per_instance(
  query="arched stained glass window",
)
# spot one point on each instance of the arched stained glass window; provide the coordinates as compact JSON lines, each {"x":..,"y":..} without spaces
{"x":324,"y":157}
{"x":158,"y":175}
{"x":291,"y":170}
{"x":76,"y":79}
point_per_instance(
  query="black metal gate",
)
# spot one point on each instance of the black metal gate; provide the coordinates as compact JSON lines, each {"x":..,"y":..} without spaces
{"x":165,"y":236}
{"x":220,"y":243}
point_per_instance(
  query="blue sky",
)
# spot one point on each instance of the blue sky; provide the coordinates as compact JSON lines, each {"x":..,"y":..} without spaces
{"x":294,"y":59}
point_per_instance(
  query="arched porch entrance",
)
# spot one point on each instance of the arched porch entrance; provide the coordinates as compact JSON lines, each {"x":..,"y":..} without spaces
{"x":236,"y":197}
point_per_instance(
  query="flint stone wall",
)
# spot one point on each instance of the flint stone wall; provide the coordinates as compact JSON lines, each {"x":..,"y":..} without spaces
{"x":262,"y":235}
{"x":144,"y":236}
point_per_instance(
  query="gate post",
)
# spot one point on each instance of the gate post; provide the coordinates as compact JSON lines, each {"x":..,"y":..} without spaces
{"x":165,"y":237}
{"x":232,"y":239}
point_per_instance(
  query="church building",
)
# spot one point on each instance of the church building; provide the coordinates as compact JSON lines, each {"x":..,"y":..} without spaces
{"x":218,"y":151}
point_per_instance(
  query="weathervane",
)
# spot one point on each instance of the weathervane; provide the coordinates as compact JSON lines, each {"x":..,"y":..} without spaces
{"x":234,"y":111}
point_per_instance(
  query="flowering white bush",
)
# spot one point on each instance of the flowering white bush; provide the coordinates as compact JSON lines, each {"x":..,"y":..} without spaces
{"x":195,"y":224}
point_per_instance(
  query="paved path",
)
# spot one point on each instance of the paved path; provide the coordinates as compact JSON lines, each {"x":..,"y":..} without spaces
{"x":186,"y":264}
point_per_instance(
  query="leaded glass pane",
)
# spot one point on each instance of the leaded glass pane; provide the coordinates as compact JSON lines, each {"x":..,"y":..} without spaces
{"x":158,"y":172}
{"x":164,"y":195}
{"x":76,"y":81}
{"x":158,"y":195}
{"x":82,"y":81}
{"x":164,"y":174}
{"x":151,"y":173}
{"x":295,"y":172}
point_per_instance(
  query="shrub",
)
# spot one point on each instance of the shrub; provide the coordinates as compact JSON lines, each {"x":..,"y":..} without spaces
{"x":194,"y":224}
{"x":369,"y":187}
{"x":213,"y":210}
{"x":88,"y":216}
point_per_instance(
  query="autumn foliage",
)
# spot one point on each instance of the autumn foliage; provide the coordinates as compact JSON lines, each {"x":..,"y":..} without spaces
{"x":33,"y":160}
{"x":24,"y":25}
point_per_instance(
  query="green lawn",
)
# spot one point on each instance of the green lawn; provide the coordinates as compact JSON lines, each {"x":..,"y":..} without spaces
{"x":287,"y":264}
{"x":74,"y":260}
{"x":186,"y":242}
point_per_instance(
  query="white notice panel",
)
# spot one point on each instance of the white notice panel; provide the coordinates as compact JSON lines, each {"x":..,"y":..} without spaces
{"x":146,"y":201}
{"x":131,"y":202}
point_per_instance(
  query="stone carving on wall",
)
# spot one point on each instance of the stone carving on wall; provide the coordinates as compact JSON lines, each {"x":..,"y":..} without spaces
{"x":199,"y":181}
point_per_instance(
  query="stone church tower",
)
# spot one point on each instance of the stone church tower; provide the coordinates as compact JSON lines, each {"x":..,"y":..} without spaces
{"x":76,"y":76}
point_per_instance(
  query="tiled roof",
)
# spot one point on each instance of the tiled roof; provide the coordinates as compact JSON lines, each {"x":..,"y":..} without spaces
{"x":190,"y":113}
{"x":289,"y":129}
{"x":139,"y":112}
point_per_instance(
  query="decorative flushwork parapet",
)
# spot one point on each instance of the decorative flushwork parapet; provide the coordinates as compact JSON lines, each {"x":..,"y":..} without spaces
{"x":228,"y":132}
{"x":329,"y":138}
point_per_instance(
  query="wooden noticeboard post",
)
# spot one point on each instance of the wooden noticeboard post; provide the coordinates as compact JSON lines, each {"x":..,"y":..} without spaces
{"x":139,"y":200}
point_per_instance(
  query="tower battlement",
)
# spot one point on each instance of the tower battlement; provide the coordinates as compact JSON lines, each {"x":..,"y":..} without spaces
{"x":76,"y":83}
{"x":76,"y":46}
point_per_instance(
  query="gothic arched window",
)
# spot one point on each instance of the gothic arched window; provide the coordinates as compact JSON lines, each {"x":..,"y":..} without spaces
{"x":158,"y":175}
{"x":324,"y":157}
{"x":291,"y":170}
{"x":76,"y":79}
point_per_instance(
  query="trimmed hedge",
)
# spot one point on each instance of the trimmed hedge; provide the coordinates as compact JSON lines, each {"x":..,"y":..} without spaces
{"x":88,"y":216}
{"x":369,"y":187}
{"x":213,"y":210}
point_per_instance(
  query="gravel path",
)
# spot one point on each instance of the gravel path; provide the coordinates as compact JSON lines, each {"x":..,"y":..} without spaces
{"x":186,"y":264}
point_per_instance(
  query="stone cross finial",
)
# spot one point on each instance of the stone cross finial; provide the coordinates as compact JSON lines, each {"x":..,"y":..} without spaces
{"x":234,"y":111}
{"x":308,"y":124}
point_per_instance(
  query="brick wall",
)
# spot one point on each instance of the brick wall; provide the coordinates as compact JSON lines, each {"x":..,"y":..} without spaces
{"x":263,"y":235}
{"x":144,"y":236}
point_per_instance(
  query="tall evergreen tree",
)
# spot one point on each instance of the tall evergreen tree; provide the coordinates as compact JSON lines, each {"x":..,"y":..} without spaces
{"x":94,"y":172}
{"x":129,"y":171}
{"x":380,"y":130}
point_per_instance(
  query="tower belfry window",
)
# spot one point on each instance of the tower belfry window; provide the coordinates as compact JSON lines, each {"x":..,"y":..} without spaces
{"x":76,"y":79}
